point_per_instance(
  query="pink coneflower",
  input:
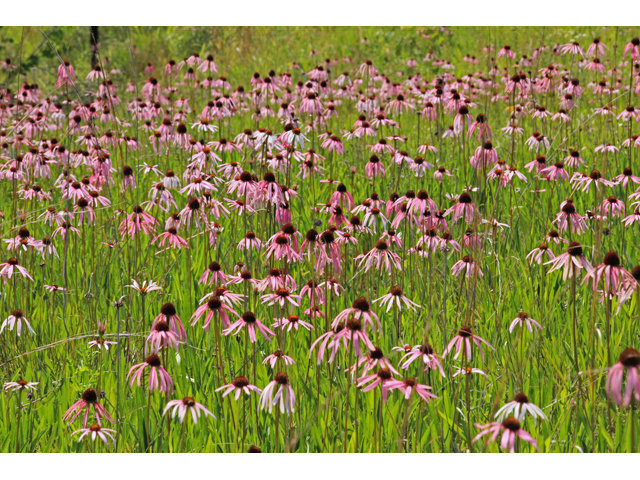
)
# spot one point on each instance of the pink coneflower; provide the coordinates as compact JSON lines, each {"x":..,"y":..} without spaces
{"x":250,"y":241}
{"x":596,"y":47}
{"x":536,"y":140}
{"x":540,"y":163}
{"x":171,"y":238}
{"x":159,"y":378}
{"x":523,"y":318}
{"x":616,"y":278}
{"x":424,"y":352}
{"x":375,"y":359}
{"x":161,"y":336}
{"x":465,"y":339}
{"x":353,"y":332}
{"x":464,"y":208}
{"x":194,"y":210}
{"x":440,"y":173}
{"x":63,"y":229}
{"x":225,"y":295}
{"x":537,"y":254}
{"x":572,"y":48}
{"x":100,"y":343}
{"x":213,"y":275}
{"x":625,"y":177}
{"x":281,"y":296}
{"x":169,"y":314}
{"x":184,"y":406}
{"x":512,"y":130}
{"x":17,"y":320}
{"x":249,"y":321}
{"x":506,"y":52}
{"x":467,"y":371}
{"x":95,"y":431}
{"x":569,"y":217}
{"x":632,"y":47}
{"x":343,"y":197}
{"x":311,"y":104}
{"x":367,"y":67}
{"x":145,"y":287}
{"x":520,"y":406}
{"x":554,"y":236}
{"x":628,"y":361}
{"x":277,"y":279}
{"x":381,"y":147}
{"x":276,"y":356}
{"x":328,"y":341}
{"x":481,"y":126}
{"x":381,"y":257}
{"x":137,"y":221}
{"x":484,"y":156}
{"x":239,"y":386}
{"x":12,"y":266}
{"x":510,"y":429}
{"x":212,"y":307}
{"x":468,"y":266}
{"x":359,"y":309}
{"x":20,"y":385}
{"x":430,"y":240}
{"x":242,"y":185}
{"x":281,"y":249}
{"x":89,"y":399}
{"x":571,"y":261}
{"x":410,"y":385}
{"x":207,"y":65}
{"x":612,"y":206}
{"x":374,"y":168}
{"x":555,"y":172}
{"x":629,"y":113}
{"x":395,"y":297}
{"x":315,"y":292}
{"x":634,"y":217}
{"x":597,"y":66}
{"x":382,"y":378}
{"x":285,"y":395}
{"x":574,"y":159}
{"x":292,"y":322}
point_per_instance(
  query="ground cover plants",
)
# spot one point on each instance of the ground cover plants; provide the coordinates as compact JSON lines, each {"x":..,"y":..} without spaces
{"x":422,"y":240}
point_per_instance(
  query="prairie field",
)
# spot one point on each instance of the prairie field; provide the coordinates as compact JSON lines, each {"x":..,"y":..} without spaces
{"x":319,"y":239}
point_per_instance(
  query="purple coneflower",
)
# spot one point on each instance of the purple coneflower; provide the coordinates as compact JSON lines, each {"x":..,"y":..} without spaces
{"x":249,"y":321}
{"x":396,"y":297}
{"x":89,"y":399}
{"x":159,"y":378}
{"x":238,"y":386}
{"x":410,"y":385}
{"x":520,"y":406}
{"x":187,"y":404}
{"x":571,"y":261}
{"x":628,"y":361}
{"x":524,"y":318}
{"x":95,"y":431}
{"x":169,"y":314}
{"x":278,"y":355}
{"x":510,"y":429}
{"x":464,"y":339}
{"x":16,"y":319}
{"x":425,"y":352}
{"x":382,"y":378}
{"x":284,"y":394}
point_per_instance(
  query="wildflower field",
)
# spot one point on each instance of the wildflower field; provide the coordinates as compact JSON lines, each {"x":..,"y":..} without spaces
{"x":419,"y":239}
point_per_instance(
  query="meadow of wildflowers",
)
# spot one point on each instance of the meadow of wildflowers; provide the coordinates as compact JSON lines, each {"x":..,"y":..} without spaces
{"x":382,"y":240}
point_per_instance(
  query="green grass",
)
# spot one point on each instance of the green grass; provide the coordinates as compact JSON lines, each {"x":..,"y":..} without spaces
{"x":542,"y":365}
